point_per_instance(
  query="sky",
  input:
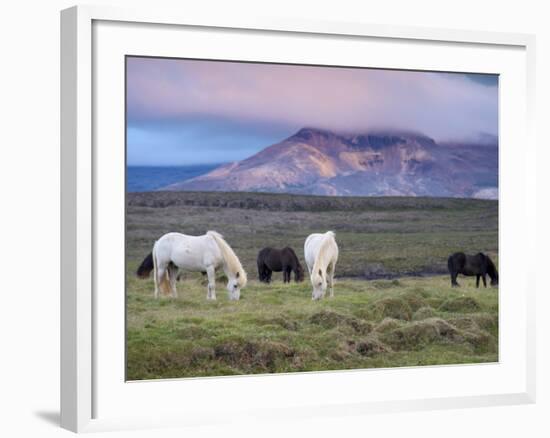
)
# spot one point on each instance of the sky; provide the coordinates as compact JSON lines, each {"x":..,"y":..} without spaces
{"x":188,"y":112}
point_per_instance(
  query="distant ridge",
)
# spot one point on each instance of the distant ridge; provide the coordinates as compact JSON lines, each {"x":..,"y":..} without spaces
{"x":374,"y":163}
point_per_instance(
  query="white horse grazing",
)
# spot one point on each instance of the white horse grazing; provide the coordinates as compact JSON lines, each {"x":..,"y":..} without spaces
{"x":175,"y":251}
{"x":321,"y":252}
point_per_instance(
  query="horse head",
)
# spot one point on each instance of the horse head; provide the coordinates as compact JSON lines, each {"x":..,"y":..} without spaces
{"x":299,"y":273}
{"x":236,"y":276}
{"x":319,"y":283}
{"x":494,"y":277}
{"x":235,"y":283}
{"x":492,"y":271}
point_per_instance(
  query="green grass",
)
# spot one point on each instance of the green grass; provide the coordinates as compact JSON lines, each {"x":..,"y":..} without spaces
{"x":405,"y":321}
{"x":278,"y":328}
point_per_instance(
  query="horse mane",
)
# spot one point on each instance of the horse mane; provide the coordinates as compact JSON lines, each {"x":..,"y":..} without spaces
{"x":231,"y":261}
{"x":328,"y":238}
{"x":299,"y":266}
{"x":290,"y":251}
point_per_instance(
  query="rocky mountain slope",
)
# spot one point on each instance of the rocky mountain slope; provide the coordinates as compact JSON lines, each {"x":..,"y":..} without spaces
{"x":382,"y":163}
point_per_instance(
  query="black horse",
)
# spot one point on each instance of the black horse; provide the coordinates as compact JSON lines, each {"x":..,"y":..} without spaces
{"x":271,"y":259}
{"x":479,"y":265}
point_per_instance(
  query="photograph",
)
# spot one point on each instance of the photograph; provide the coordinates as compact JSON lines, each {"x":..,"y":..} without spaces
{"x":286,"y":218}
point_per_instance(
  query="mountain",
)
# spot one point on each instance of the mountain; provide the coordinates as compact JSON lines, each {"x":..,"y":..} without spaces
{"x":375,"y":163}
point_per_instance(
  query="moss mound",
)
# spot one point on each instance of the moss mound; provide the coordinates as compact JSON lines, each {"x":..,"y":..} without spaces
{"x":414,"y":299}
{"x":372,"y":346}
{"x":329,"y":319}
{"x":265,"y":355}
{"x":481,"y":340}
{"x":486,"y":321}
{"x":285,"y":323}
{"x":460,"y":304}
{"x":359,"y":326}
{"x":388,"y":324}
{"x":423,"y":313}
{"x":464,"y":323}
{"x":201,"y":354}
{"x":392,"y":307}
{"x":475,"y":321}
{"x":420,"y":333}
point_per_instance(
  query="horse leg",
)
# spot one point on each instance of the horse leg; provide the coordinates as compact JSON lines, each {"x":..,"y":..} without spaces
{"x":484,"y":278}
{"x":477,"y":280}
{"x":453,"y":279}
{"x":211,"y":291}
{"x":159,"y":279}
{"x":172,"y":274}
{"x":268,"y":273}
{"x":155,"y":274}
{"x":330,"y":279}
{"x":155,"y":278}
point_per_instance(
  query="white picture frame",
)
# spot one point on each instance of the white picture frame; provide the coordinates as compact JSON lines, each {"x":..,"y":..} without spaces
{"x":85,"y":374}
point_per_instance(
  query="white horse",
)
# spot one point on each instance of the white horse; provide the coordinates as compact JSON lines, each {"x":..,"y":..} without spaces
{"x":321,"y":253}
{"x":206,"y":253}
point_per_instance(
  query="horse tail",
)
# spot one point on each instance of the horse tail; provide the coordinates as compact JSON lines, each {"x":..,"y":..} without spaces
{"x":146,"y":266}
{"x":327,"y":238}
{"x":155,"y":269}
{"x":261,"y":270}
{"x":330,"y":236}
{"x":450,"y":263}
{"x":231,"y":261}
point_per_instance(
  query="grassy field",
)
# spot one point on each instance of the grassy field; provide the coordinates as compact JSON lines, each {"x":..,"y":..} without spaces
{"x":392,"y":305}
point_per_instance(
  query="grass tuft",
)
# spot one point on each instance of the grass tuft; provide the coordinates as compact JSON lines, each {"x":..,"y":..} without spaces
{"x":417,"y":334}
{"x":393,"y":307}
{"x":423,"y":313}
{"x":371,"y":346}
{"x":460,"y":304}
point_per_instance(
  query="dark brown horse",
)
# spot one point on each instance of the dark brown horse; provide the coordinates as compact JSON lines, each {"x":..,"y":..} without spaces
{"x":479,"y":265}
{"x":271,"y":259}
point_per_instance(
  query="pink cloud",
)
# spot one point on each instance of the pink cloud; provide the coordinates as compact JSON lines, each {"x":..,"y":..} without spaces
{"x":345,"y":99}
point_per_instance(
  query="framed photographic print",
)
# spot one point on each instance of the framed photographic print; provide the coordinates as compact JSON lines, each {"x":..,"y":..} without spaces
{"x":255,"y":209}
